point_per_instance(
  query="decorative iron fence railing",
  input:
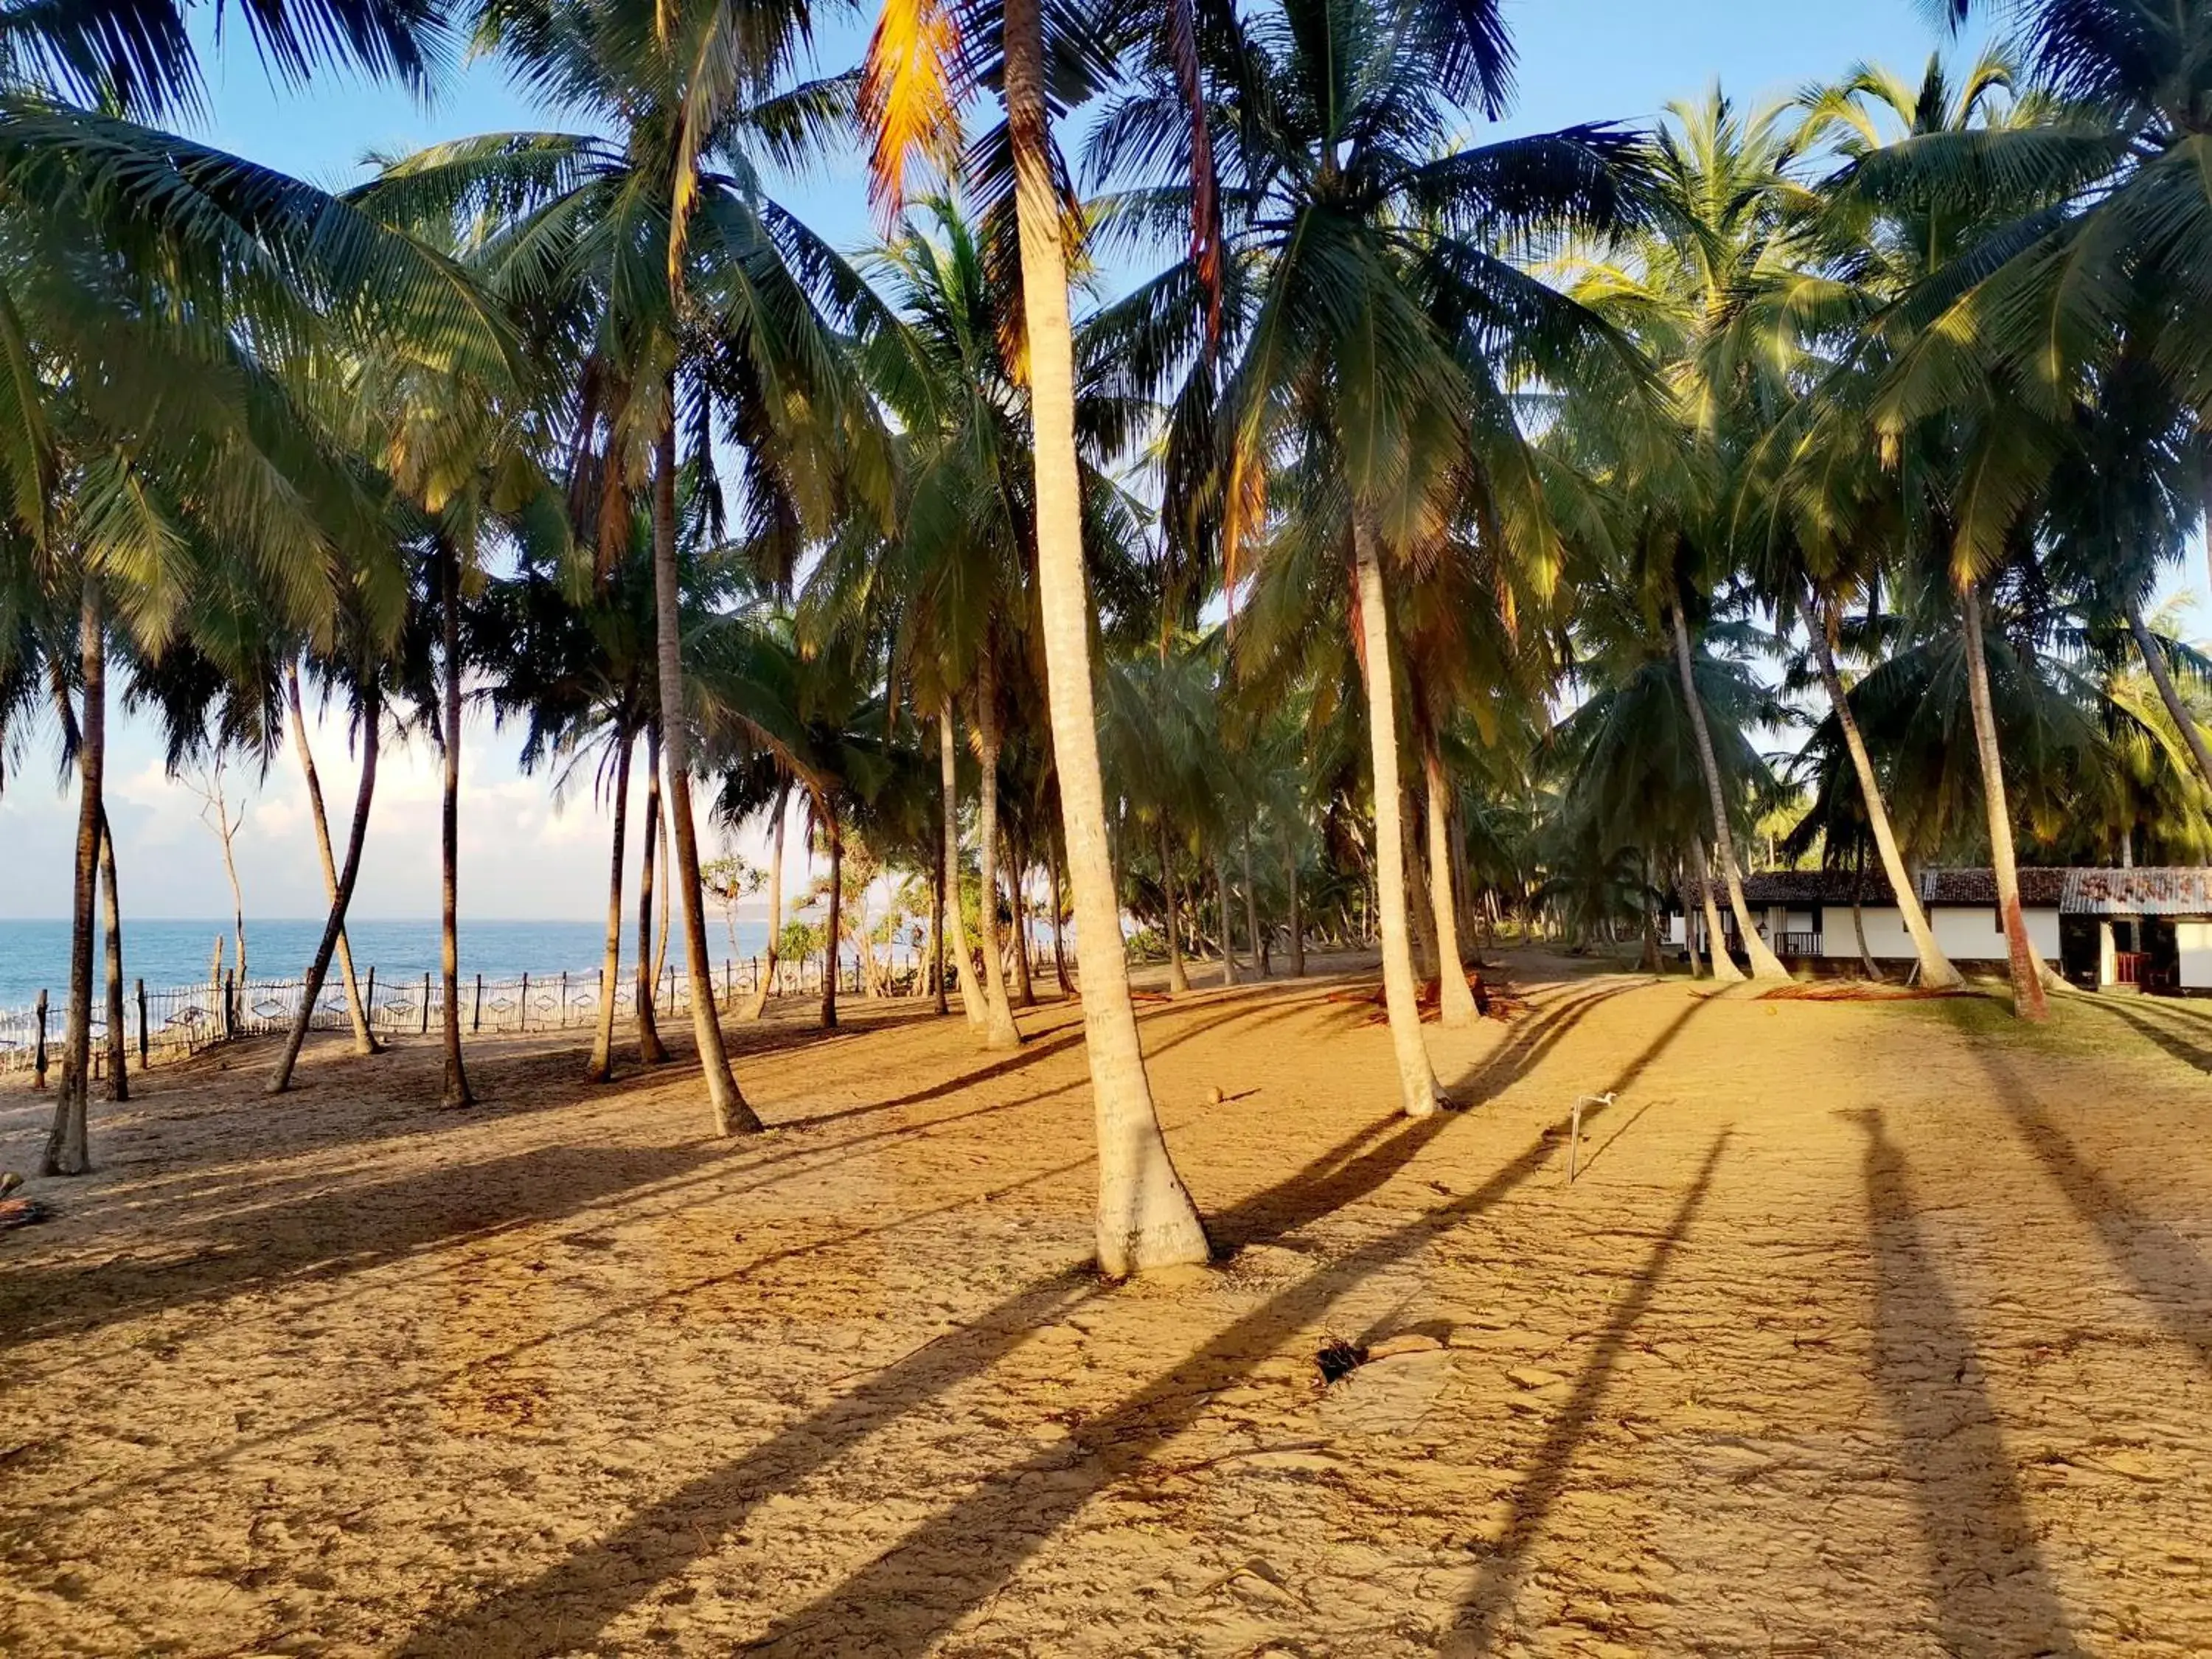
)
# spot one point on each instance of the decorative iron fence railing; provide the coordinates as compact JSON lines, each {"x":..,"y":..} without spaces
{"x":172,"y":1022}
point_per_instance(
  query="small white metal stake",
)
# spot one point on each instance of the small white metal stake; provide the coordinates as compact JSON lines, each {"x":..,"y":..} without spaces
{"x":1575,"y":1136}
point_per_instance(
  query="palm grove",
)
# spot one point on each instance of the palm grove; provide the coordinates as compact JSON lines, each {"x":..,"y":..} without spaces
{"x":1437,"y":530}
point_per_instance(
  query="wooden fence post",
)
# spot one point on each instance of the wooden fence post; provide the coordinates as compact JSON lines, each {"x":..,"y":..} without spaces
{"x":142,"y":1024}
{"x":425,"y":1002}
{"x":368,"y":999}
{"x":475,"y":1014}
{"x":560,"y":1019}
{"x":39,"y":1055}
{"x":522,"y":1006}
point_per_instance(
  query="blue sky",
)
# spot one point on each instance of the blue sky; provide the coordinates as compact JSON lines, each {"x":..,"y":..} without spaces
{"x":524,"y":853}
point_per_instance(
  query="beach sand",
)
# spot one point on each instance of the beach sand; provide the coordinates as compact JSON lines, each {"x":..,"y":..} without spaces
{"x":1867,"y":1329}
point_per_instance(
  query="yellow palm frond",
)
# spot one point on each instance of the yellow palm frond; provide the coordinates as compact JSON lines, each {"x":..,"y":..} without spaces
{"x":910,"y":92}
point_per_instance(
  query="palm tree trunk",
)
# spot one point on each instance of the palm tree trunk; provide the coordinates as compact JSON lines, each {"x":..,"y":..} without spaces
{"x":1858,"y":916}
{"x":69,"y":1151}
{"x":364,"y":1039}
{"x":456,"y":1092}
{"x":371,"y":721}
{"x":1000,"y":1030}
{"x":1298,"y":916}
{"x":1228,"y":923}
{"x":1724,"y":967}
{"x":1252,"y":911}
{"x":1935,"y":970}
{"x":731,"y":1113}
{"x":661,"y":892}
{"x":1146,"y":1216}
{"x":759,"y":1006}
{"x":1417,"y":1091}
{"x":1059,"y":930}
{"x":1178,"y":981}
{"x":118,"y":1084}
{"x":651,"y":1050}
{"x":602,"y":1067}
{"x":835,"y":833}
{"x":1689,"y":922}
{"x":1455,"y":1002}
{"x":2161,"y":674}
{"x":1765,"y":964}
{"x":1024,"y":980}
{"x":2028,"y":1000}
{"x":956,"y":916}
{"x":936,"y":924}
{"x":1421,"y":910}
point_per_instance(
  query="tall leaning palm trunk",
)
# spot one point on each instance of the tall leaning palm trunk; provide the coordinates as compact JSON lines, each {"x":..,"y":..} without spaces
{"x":2161,"y":675}
{"x":456,"y":1091}
{"x":1000,"y":1030}
{"x":834,"y":832}
{"x":955,"y":917}
{"x":372,"y":718}
{"x":1765,"y":964}
{"x":651,"y":1051}
{"x":1724,"y":967}
{"x":110,"y":905}
{"x":758,"y":1004}
{"x":69,"y":1151}
{"x":1178,"y":979}
{"x":1252,"y":911}
{"x":1298,"y":917}
{"x":732,"y":1114}
{"x":602,"y":1065}
{"x":1456,"y":1001}
{"x":1418,"y":1090}
{"x":1935,"y":970}
{"x":2028,"y":1000}
{"x":364,"y":1040}
{"x":1146,"y":1216}
{"x":1228,"y":918}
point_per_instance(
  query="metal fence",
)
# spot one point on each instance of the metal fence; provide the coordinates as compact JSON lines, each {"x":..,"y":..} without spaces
{"x":172,"y":1022}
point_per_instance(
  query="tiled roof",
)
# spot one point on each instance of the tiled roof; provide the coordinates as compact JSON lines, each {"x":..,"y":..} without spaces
{"x":2040,"y":889}
{"x":2174,"y":891}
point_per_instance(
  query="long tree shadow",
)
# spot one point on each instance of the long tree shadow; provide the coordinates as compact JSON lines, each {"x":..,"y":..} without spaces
{"x":2169,"y":1270}
{"x":906,"y":1599}
{"x":2195,"y":1056}
{"x":1535,"y":1038}
{"x":1992,"y":1593}
{"x":334,"y":1232}
{"x":1493,"y":1592}
{"x":1251,"y":1004}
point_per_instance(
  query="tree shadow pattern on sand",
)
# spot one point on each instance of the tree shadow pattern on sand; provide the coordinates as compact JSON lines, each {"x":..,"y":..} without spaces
{"x":910,"y":1596}
{"x":334,"y":1232}
{"x":1992,"y":1594}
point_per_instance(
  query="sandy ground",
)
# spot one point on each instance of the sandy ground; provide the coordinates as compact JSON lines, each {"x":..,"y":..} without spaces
{"x":1867,"y":1329}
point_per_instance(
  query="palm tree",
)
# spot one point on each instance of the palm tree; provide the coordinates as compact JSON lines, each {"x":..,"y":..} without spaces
{"x":1376,"y":325}
{"x":670,"y":288}
{"x":181,"y":321}
{"x":919,"y":72}
{"x":2113,"y":228}
{"x":1946,"y":469}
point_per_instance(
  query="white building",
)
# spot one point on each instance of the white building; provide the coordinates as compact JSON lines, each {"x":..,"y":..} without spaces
{"x":2151,"y":927}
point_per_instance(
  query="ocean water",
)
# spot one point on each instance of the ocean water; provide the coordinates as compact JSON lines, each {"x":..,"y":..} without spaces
{"x":35,"y":955}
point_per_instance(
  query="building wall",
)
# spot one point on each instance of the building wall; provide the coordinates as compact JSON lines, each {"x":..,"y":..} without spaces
{"x":1966,"y":932}
{"x":2194,"y":940}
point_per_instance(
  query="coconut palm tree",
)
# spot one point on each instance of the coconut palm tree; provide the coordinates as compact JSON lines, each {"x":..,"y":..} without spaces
{"x":2114,"y":231}
{"x":672,"y":291}
{"x":182,"y":319}
{"x":923,"y":61}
